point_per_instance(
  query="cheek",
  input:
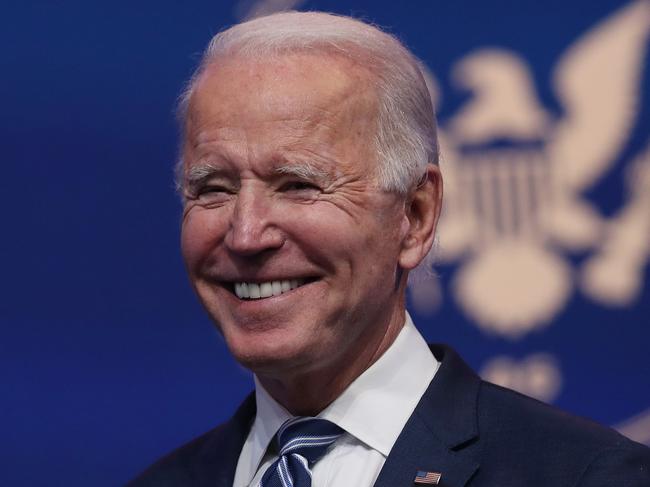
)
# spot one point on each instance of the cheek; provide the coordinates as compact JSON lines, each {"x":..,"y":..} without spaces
{"x":361,"y":242}
{"x":381,"y":249}
{"x":201,"y":231}
{"x":326,"y":232}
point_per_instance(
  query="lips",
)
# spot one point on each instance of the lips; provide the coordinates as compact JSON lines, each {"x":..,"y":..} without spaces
{"x":259,"y":290}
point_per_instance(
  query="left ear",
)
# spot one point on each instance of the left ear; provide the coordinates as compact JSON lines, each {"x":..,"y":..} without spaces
{"x":422,"y":212}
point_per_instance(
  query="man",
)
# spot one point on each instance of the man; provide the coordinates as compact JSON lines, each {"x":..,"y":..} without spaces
{"x":311,"y":190}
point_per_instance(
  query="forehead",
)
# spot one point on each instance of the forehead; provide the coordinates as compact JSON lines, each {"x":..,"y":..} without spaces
{"x":287,"y":83}
{"x":289,"y":96}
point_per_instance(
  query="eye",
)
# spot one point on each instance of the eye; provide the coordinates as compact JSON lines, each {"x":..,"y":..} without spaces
{"x":210,"y":194}
{"x":212,"y":189}
{"x":299,"y":187}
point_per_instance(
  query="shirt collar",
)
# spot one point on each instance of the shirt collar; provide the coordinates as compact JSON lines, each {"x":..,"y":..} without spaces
{"x":268,"y":419}
{"x":373,"y":409}
{"x":376,"y":406}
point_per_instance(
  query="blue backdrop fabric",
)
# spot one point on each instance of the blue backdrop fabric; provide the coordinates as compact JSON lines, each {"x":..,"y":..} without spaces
{"x":107,"y":360}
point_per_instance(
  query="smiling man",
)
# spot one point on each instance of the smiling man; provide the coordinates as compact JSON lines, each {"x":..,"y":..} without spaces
{"x":292,"y":245}
{"x":311,"y":189}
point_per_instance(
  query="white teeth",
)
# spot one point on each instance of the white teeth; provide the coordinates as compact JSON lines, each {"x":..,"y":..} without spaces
{"x":254,"y":290}
{"x":266,"y":290}
{"x":277,"y":288}
{"x":243,"y":290}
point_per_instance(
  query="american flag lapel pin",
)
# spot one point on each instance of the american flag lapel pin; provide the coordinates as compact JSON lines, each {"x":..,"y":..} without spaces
{"x":427,"y":478}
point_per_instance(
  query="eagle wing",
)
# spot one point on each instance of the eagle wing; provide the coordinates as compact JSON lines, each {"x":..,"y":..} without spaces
{"x":597,"y":81}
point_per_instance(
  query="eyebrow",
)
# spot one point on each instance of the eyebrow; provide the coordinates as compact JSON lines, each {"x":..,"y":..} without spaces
{"x":199,"y":173}
{"x":196,"y":175}
{"x":304,"y":170}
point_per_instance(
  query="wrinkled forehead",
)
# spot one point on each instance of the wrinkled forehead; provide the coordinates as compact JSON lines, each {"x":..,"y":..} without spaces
{"x":296,"y":86}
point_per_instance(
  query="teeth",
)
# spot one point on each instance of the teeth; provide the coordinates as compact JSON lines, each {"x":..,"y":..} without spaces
{"x":266,"y":290}
{"x":277,"y":288}
{"x":241,"y":290}
{"x":254,"y":290}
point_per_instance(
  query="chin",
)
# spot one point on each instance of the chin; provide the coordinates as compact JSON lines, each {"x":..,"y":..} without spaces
{"x":274,"y":357}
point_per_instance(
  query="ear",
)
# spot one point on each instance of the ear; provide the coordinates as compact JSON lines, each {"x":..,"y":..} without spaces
{"x":421,"y":218}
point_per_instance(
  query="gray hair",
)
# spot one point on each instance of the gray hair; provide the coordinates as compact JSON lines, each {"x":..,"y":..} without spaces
{"x":405,"y":140}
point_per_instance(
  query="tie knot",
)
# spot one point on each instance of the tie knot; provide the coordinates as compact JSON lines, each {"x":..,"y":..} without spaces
{"x":307,"y":437}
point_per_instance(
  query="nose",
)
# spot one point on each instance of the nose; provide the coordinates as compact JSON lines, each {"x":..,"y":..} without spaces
{"x":252,"y":230}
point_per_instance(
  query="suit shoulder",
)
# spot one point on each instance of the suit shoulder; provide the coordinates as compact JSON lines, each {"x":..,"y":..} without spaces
{"x":177,"y":467}
{"x":625,"y":465}
{"x":533,"y":443}
{"x":205,"y":460}
{"x":513,"y":415}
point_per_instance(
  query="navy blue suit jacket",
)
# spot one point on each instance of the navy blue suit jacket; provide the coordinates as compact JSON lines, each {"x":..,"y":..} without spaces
{"x":474,"y":433}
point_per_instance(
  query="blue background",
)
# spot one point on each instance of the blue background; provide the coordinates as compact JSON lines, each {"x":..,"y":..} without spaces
{"x":107,"y":360}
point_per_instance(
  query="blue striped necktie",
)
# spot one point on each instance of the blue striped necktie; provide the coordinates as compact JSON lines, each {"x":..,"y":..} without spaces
{"x":301,"y":442}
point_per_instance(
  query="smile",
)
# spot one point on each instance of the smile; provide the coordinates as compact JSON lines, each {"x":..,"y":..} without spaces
{"x":259,"y":290}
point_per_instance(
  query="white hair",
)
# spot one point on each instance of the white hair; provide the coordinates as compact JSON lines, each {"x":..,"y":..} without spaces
{"x":405,"y":139}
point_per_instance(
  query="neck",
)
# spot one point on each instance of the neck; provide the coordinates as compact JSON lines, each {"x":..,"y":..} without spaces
{"x":308,"y":393}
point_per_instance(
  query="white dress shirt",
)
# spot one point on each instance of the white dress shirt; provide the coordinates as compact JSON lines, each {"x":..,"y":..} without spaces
{"x":372,"y":410}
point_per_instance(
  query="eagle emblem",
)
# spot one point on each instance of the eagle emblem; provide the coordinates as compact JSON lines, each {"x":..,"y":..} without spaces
{"x":516,"y":177}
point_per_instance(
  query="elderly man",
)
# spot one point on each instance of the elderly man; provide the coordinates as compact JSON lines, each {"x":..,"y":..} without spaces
{"x":311,"y":190}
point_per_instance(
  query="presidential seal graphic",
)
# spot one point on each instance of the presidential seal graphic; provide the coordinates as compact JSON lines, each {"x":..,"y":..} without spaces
{"x":521,"y":232}
{"x":516,"y":178}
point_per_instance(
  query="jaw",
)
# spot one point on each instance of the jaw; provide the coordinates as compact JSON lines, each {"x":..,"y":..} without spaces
{"x":315,"y":333}
{"x":306,"y":387}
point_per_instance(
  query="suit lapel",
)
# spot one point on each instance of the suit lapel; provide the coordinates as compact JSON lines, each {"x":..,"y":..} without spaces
{"x":441,"y":434}
{"x":222,"y":450}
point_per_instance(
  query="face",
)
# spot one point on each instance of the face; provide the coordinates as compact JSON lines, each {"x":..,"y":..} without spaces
{"x":290,"y":246}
